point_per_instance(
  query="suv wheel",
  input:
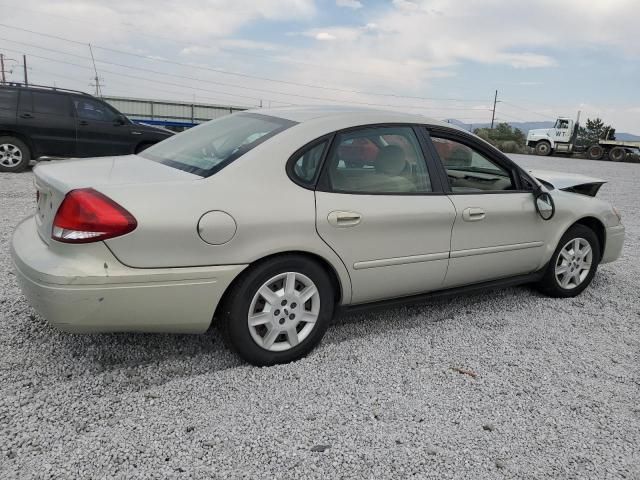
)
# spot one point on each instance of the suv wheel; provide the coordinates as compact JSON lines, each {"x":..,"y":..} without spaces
{"x":278,"y":311}
{"x":14,"y":155}
{"x":573,"y":263}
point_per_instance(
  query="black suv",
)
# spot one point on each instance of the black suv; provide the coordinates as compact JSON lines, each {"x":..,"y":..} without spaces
{"x":42,"y":121}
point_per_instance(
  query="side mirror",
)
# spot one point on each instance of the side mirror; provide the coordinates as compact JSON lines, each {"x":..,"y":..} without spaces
{"x":120,"y":120}
{"x":545,"y":206}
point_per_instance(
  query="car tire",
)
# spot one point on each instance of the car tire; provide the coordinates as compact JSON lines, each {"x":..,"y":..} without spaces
{"x":617,"y":154}
{"x":14,"y":154}
{"x":567,"y":274}
{"x":543,"y":148}
{"x":595,"y":152}
{"x":284,"y":336}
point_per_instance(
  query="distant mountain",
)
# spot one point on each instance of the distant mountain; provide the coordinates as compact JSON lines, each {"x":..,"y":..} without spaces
{"x":526,"y":126}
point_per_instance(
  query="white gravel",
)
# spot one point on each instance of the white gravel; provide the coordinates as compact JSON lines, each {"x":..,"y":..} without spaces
{"x":557,"y":391}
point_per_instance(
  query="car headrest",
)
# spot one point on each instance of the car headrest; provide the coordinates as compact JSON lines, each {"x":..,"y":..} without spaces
{"x":391,"y":160}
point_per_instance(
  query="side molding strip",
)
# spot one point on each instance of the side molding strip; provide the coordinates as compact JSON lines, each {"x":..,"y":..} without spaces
{"x":496,"y":249}
{"x":387,"y":262}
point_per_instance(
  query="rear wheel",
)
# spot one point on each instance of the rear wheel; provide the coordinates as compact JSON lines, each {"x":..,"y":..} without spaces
{"x":573,"y":263}
{"x":14,"y":155}
{"x":543,"y":148}
{"x":278,"y":311}
{"x":617,"y":154}
{"x":595,"y":152}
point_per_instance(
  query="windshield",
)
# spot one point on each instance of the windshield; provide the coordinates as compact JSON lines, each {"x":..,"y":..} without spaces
{"x":209,"y":147}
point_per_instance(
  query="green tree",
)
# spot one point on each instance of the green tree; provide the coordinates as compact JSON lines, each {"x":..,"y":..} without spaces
{"x":593,"y":131}
{"x":503,"y":136}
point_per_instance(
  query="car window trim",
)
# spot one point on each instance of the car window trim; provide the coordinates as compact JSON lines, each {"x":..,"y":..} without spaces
{"x":323,"y":184}
{"x":471,"y":141}
{"x":290,"y":166}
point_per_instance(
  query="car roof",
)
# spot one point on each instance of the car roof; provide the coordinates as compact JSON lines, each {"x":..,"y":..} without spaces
{"x":359,"y":115}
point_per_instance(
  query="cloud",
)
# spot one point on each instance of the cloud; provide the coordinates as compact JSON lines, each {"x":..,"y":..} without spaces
{"x":324,"y":36}
{"x":355,"y":4}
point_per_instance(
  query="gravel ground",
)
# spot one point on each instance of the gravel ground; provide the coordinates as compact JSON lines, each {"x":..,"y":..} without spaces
{"x":555,"y":392}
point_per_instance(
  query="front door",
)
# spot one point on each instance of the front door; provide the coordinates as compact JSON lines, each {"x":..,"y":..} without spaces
{"x":497,"y":232}
{"x":380,"y":207}
{"x":100,"y":130}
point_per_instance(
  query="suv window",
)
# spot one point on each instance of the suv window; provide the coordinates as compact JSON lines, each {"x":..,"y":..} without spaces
{"x":378,"y":160}
{"x":50,"y":103}
{"x":88,"y":109}
{"x":209,"y":147}
{"x":469,"y":170}
{"x":306,"y":165}
{"x":8,"y":99}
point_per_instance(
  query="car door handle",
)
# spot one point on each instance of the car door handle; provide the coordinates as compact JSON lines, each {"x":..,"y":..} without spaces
{"x":473,"y":214}
{"x":83,"y":122}
{"x":341,"y":219}
{"x":26,"y":115}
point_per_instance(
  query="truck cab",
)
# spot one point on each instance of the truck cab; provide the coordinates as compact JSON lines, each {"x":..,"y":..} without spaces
{"x":558,"y":138}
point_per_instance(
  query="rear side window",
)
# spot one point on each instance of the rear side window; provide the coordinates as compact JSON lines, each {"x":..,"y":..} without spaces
{"x":8,"y":99}
{"x":378,"y":160}
{"x":307,"y":164}
{"x":209,"y":147}
{"x":50,"y":103}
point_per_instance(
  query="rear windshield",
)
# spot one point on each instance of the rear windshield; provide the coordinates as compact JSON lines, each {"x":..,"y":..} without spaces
{"x":209,"y":147}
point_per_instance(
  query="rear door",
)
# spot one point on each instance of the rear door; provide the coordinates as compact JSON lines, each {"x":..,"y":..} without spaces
{"x":497,"y":232}
{"x":384,"y":212}
{"x":100,"y":129}
{"x":8,"y":107}
{"x":47,"y":120}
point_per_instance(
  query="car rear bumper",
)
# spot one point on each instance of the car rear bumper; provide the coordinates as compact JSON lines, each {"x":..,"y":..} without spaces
{"x":84,"y":288}
{"x":614,"y":243}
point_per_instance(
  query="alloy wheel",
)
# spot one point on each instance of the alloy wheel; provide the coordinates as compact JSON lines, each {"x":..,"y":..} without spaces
{"x":10,"y":155}
{"x":574,"y":263}
{"x":284,"y":311}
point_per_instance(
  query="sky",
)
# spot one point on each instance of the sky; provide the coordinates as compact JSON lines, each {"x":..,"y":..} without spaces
{"x":442,"y":58}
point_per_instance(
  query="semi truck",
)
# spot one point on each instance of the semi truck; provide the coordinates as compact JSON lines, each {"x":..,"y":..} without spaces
{"x":562,"y":139}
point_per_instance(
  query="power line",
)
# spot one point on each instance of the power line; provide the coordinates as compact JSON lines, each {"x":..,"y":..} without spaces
{"x":235,"y":51}
{"x":213,"y":82}
{"x":546,"y":115}
{"x":323,"y":99}
{"x":238,"y":74}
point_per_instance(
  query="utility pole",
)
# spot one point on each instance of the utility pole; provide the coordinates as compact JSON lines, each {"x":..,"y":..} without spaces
{"x":24,"y":64}
{"x":95,"y":70}
{"x":4,"y":80}
{"x":493,"y":115}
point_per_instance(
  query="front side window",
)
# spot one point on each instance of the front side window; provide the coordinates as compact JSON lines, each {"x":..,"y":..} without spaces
{"x":378,"y":160}
{"x":209,"y":147}
{"x":51,"y":103}
{"x":469,"y":170}
{"x":88,"y":109}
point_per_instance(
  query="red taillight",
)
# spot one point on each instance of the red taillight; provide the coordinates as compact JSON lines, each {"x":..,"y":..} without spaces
{"x":86,"y":215}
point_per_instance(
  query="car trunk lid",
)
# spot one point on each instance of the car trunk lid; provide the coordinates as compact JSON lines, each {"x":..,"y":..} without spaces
{"x":53,"y":180}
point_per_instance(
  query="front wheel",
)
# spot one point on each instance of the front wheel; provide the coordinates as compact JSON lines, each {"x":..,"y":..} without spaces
{"x":543,"y":148}
{"x":573,"y":263}
{"x":278,"y":311}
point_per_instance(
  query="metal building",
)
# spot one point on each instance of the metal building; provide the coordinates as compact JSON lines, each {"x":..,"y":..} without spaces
{"x":169,"y":114}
